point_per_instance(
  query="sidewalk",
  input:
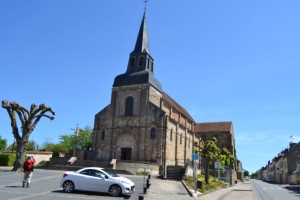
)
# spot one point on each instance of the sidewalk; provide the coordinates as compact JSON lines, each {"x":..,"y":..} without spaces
{"x":241,"y":191}
{"x":171,"y":190}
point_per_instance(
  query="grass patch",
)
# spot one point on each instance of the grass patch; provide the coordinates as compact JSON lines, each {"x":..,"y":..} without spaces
{"x":143,"y":173}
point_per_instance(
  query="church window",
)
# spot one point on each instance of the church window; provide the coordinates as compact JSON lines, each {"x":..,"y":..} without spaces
{"x":103,"y":135}
{"x":141,"y":61}
{"x":153,"y":133}
{"x":171,"y":134}
{"x":151,"y":66}
{"x":181,"y":139}
{"x":132,"y":61}
{"x":129,"y":106}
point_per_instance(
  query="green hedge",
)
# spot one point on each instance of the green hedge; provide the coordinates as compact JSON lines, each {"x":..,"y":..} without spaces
{"x":7,"y":159}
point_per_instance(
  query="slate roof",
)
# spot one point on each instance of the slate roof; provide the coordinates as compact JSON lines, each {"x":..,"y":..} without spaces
{"x":142,"y":42}
{"x":213,"y":127}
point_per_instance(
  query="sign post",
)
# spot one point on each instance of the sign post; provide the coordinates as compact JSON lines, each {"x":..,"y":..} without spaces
{"x":195,"y":157}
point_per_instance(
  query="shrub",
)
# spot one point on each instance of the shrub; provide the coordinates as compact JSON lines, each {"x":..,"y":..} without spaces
{"x":143,"y":173}
{"x":7,"y":159}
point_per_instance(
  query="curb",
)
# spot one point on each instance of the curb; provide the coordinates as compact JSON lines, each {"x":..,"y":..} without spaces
{"x":191,"y":193}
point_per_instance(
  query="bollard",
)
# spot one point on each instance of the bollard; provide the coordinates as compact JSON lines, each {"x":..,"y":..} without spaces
{"x":148,"y":183}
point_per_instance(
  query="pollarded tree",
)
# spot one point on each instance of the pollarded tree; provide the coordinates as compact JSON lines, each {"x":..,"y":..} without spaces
{"x":29,"y":120}
{"x":210,"y":151}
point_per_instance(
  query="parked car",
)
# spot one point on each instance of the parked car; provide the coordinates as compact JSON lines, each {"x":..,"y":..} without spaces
{"x":269,"y":179}
{"x":97,"y":180}
{"x":247,"y":178}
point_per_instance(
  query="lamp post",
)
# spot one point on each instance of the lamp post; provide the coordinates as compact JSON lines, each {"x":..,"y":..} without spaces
{"x":75,"y":142}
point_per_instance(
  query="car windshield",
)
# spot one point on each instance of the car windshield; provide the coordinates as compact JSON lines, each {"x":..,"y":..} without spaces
{"x":111,"y":174}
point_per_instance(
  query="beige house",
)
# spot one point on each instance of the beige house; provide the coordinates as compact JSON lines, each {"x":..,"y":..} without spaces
{"x":142,"y":122}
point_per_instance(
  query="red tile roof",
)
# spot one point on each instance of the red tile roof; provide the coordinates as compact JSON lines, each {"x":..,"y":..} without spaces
{"x":213,"y":127}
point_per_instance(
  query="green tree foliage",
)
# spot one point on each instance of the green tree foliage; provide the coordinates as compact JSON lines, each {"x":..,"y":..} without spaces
{"x":31,"y":146}
{"x":85,"y":138}
{"x":82,"y":140}
{"x":54,"y":148}
{"x":3,"y":143}
{"x":226,"y":158}
{"x":47,"y":146}
{"x":246,"y":173}
{"x":254,"y":175}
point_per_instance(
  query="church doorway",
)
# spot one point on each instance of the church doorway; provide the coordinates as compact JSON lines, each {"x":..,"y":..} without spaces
{"x":125,"y":153}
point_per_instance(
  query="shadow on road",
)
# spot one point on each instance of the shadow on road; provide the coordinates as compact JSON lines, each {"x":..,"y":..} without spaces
{"x":91,"y":193}
{"x":13,"y":186}
{"x":294,"y":189}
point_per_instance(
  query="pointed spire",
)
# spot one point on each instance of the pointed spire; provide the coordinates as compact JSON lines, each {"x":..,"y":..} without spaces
{"x":142,"y":42}
{"x":140,"y":68}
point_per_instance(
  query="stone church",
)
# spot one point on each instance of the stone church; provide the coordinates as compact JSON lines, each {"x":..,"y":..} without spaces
{"x":143,"y":123}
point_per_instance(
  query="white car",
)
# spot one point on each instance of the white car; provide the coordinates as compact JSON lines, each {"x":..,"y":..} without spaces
{"x":97,"y":180}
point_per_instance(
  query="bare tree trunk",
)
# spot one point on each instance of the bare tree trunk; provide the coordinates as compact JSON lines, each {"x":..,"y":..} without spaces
{"x":20,"y":154}
{"x":207,"y":171}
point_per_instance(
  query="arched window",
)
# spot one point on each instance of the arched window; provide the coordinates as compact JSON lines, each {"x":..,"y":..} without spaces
{"x":153,"y":133}
{"x":103,"y":134}
{"x":129,"y":106}
{"x":132,"y":61}
{"x":141,"y":61}
{"x":148,"y":64}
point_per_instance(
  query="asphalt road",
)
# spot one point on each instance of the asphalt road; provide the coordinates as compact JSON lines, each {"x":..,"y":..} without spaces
{"x":269,"y":191}
{"x":45,"y":186}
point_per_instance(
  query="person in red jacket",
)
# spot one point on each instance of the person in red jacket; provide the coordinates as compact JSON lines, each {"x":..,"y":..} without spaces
{"x":28,"y":171}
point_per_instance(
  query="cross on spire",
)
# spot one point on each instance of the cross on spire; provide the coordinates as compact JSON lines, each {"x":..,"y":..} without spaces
{"x":145,"y":2}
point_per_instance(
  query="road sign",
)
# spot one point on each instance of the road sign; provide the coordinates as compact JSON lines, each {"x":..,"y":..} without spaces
{"x":195,"y":156}
{"x":218,"y":165}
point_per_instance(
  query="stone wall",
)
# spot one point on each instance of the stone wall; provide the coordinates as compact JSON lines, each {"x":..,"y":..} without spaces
{"x":134,"y":167}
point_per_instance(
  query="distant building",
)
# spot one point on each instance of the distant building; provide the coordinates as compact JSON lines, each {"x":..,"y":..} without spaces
{"x":284,"y":168}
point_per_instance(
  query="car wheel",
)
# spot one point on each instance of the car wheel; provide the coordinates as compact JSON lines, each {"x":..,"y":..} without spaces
{"x":68,"y":186}
{"x":115,"y":190}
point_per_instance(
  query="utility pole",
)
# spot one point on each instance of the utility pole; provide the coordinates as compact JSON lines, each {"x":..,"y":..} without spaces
{"x":76,"y":138}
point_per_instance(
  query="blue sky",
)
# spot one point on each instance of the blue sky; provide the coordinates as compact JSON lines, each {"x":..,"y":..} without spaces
{"x":222,"y":60}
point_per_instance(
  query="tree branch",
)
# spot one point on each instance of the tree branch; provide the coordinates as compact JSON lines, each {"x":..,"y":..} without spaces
{"x":12,"y":117}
